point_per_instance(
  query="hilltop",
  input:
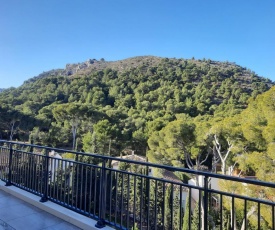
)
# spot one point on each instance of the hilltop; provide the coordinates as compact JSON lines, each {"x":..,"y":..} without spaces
{"x":93,"y":65}
{"x":145,"y":62}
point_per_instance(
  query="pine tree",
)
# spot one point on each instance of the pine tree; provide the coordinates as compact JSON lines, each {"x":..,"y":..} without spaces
{"x":195,"y":218}
{"x":225,"y":220}
{"x":167,"y":200}
{"x":186,"y":214}
{"x":176,"y":207}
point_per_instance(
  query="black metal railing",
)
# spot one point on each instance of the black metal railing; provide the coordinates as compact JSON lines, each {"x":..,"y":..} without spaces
{"x":128,"y":194}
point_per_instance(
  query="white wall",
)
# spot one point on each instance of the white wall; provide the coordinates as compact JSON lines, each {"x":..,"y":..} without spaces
{"x":213,"y":184}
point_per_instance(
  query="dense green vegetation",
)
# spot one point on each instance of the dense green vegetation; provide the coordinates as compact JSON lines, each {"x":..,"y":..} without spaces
{"x":136,"y":101}
{"x":187,"y":113}
{"x":115,"y":108}
{"x":183,"y":111}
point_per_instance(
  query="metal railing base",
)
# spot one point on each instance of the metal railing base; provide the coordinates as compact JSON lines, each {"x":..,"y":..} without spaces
{"x":100,"y":224}
{"x":8,"y":184}
{"x":43,"y":200}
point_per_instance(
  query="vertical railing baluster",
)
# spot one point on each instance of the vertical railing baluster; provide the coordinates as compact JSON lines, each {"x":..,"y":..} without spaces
{"x":189,"y":208}
{"x":259,"y":215}
{"x":233,"y":212}
{"x":163,"y":205}
{"x":200,"y":204}
{"x":116,"y":196}
{"x":90,"y":190}
{"x":110,"y":193}
{"x":45,"y":177}
{"x":221,"y":212}
{"x":128,"y":200}
{"x":26,"y":170}
{"x":57,"y":169}
{"x":41,"y":174}
{"x":147,"y":200}
{"x":77,"y":184}
{"x":156,"y":196}
{"x":54,"y":177}
{"x":86,"y":188}
{"x":273,"y":217}
{"x":81,"y":186}
{"x":135,"y":198}
{"x":245,"y":214}
{"x":33,"y":172}
{"x":30,"y":166}
{"x":65,"y":168}
{"x":8,"y":183}
{"x":72,"y":196}
{"x":205,"y":201}
{"x":102,"y":197}
{"x":121,"y":199}
{"x":141,"y":204}
{"x":172,"y":205}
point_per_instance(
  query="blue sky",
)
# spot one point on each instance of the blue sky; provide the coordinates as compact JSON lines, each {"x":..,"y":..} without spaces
{"x":37,"y":36}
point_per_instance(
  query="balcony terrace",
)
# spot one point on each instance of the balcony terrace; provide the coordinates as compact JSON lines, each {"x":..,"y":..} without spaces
{"x":84,"y":191}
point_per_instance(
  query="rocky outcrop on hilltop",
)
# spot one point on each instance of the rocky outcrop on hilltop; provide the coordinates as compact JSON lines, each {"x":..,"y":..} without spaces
{"x":92,"y":65}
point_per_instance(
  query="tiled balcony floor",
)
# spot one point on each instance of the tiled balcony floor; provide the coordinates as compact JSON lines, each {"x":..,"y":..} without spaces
{"x":20,"y":215}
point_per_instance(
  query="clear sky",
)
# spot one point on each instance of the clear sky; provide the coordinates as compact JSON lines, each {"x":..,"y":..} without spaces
{"x":40,"y":35}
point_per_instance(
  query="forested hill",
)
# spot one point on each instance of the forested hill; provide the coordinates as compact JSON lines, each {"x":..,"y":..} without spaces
{"x":128,"y":99}
{"x":143,"y":62}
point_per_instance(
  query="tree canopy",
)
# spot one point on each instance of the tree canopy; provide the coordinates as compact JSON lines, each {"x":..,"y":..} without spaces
{"x":137,"y":98}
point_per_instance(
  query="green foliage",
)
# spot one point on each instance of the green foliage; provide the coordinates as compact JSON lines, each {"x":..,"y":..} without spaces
{"x":195,"y":218}
{"x":168,"y":205}
{"x":153,"y":87}
{"x":69,"y":156}
{"x":89,"y":145}
{"x":186,"y":214}
{"x":168,"y":104}
{"x":172,"y":141}
{"x":225,"y":220}
{"x":257,"y":123}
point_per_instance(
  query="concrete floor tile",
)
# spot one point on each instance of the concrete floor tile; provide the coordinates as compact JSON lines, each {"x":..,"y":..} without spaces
{"x":9,"y":200}
{"x":36,"y":221}
{"x":62,"y":226}
{"x":11,"y":212}
{"x":5,"y":226}
{"x":3,"y":194}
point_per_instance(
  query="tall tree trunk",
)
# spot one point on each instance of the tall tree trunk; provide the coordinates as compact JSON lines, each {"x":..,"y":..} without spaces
{"x":12,"y":129}
{"x":233,"y":223}
{"x":74,"y":131}
{"x":223,"y":167}
{"x":251,"y":211}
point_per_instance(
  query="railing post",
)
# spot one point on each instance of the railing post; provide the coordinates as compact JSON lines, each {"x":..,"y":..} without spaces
{"x":45,"y":182}
{"x":31,"y":148}
{"x":8,"y":183}
{"x":205,"y":202}
{"x":102,"y":197}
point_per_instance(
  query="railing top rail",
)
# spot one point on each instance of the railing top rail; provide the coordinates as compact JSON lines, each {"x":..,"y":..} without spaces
{"x":167,"y":167}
